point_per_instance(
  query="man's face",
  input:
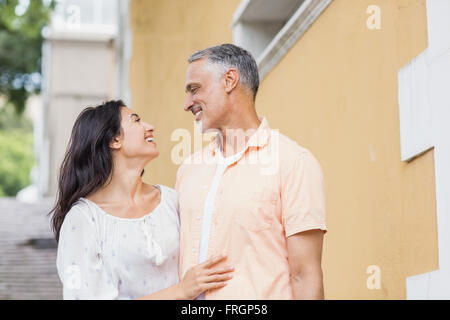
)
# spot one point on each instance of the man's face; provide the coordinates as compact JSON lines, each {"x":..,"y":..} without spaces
{"x":204,"y":94}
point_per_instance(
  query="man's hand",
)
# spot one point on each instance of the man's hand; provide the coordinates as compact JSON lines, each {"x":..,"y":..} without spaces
{"x":305,"y":257}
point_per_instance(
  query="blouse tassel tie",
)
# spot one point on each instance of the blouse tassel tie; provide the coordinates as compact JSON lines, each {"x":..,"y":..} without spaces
{"x":153,"y":248}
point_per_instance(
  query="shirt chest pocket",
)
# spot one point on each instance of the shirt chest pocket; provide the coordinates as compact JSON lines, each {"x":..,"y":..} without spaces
{"x":256,"y":211}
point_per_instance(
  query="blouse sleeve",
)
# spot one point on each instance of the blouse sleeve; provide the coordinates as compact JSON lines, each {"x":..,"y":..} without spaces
{"x":173,"y":202}
{"x":79,"y":259}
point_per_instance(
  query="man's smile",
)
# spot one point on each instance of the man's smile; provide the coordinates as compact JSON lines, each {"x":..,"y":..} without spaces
{"x":196,"y":111}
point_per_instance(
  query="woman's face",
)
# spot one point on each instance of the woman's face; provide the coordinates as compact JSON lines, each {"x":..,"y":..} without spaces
{"x":136,"y":139}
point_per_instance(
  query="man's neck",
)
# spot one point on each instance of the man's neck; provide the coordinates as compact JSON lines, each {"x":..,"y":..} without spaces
{"x":234,"y":137}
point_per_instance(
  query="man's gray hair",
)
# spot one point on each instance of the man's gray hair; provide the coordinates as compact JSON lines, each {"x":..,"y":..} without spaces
{"x":229,"y":55}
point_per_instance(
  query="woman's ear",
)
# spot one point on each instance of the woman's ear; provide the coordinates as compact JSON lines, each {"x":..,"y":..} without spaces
{"x":115,"y":143}
{"x":231,"y":79}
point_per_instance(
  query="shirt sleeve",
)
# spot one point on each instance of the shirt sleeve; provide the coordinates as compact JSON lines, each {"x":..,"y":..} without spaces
{"x":79,"y":260}
{"x":303,"y":196}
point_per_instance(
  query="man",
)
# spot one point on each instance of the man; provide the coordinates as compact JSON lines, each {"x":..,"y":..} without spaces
{"x":251,"y":194}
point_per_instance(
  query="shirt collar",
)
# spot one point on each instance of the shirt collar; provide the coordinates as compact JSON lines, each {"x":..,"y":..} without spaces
{"x":258,"y":140}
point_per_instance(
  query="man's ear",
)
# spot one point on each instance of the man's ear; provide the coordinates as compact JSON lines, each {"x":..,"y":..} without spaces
{"x":115,"y":143}
{"x":231,"y":78}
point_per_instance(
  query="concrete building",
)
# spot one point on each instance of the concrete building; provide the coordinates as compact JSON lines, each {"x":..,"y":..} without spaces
{"x":82,"y":66}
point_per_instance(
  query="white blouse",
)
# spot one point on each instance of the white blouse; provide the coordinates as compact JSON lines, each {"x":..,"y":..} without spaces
{"x":101,"y":256}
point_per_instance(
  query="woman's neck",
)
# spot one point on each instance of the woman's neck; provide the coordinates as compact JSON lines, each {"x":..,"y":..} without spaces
{"x":125,"y":185}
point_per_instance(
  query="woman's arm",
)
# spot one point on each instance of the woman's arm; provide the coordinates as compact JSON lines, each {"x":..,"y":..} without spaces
{"x":198,"y":279}
{"x":171,"y":293}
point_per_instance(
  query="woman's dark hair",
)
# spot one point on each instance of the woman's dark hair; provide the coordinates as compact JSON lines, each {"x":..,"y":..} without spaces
{"x":88,"y":163}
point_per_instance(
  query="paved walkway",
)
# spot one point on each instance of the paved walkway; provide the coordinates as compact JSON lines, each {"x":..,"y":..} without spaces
{"x":27,"y":251}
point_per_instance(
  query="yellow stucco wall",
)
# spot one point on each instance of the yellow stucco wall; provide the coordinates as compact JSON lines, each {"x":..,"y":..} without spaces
{"x":335,"y":92}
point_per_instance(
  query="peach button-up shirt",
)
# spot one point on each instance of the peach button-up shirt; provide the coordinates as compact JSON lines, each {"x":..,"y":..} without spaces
{"x":274,"y":190}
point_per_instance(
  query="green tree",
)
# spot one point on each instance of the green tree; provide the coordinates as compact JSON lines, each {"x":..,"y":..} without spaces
{"x":16,"y":155}
{"x":17,"y":160}
{"x":21,"y":24}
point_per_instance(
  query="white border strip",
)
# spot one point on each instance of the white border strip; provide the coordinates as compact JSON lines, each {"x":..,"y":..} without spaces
{"x":297,"y":25}
{"x":240,"y":11}
{"x":424,"y":112}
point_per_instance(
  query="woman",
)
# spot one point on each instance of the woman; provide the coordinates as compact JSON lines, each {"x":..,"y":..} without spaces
{"x":118,"y":237}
